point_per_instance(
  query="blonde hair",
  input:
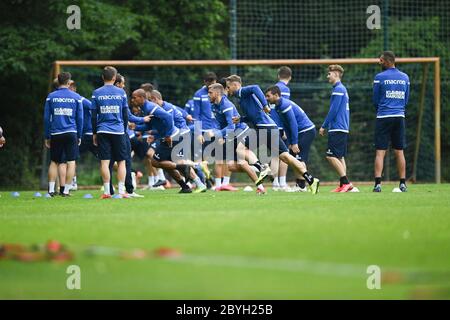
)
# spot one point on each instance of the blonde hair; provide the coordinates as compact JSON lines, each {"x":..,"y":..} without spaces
{"x":337,"y":68}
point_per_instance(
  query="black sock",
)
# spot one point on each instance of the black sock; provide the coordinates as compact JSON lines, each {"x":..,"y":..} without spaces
{"x":377,"y":180}
{"x":183,"y":184}
{"x":257,"y":165}
{"x":301,"y":183}
{"x":343,"y":180}
{"x":402,"y":181}
{"x":309,"y":178}
{"x":61,"y":189}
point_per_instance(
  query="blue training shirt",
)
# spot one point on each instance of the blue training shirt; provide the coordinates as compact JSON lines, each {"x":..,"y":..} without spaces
{"x":338,"y":118}
{"x":285,"y":91}
{"x":252,"y":102}
{"x":177,"y":116}
{"x":391,"y":93}
{"x":225,"y":111}
{"x":294,"y":119}
{"x":202,"y":110}
{"x":109,"y":103}
{"x":63,"y":113}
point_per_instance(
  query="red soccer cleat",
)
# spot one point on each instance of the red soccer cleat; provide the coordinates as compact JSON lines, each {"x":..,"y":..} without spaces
{"x":105,"y":196}
{"x":338,"y":189}
{"x":346,"y":187}
{"x":228,"y":187}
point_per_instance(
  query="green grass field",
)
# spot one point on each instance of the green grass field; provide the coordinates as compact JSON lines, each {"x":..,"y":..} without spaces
{"x":235,"y":245}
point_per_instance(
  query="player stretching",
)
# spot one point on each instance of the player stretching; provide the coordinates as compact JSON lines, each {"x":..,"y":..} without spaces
{"x":63,"y":127}
{"x":390,"y":96}
{"x":231,"y":135}
{"x":337,"y":123}
{"x":254,"y":104}
{"x":300,"y":131}
{"x":109,"y":124}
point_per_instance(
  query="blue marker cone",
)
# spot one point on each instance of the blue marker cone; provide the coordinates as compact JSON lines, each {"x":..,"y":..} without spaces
{"x":88,"y":196}
{"x":117,"y":196}
{"x":37,"y":195}
{"x":15,"y":194}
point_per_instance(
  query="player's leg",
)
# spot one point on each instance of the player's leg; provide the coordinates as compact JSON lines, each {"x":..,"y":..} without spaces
{"x":56,"y":157}
{"x":337,"y":150}
{"x":398,"y":144}
{"x":282,"y":172}
{"x":62,"y":173}
{"x":275,"y":168}
{"x":71,"y":153}
{"x":105,"y":156}
{"x":305,"y":140}
{"x":383,"y":128}
{"x":120,"y":154}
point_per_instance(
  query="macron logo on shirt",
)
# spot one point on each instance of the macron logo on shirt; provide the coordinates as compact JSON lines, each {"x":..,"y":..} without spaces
{"x":63,"y":111}
{"x":395,"y":82}
{"x":68,"y":100}
{"x":109,"y":97}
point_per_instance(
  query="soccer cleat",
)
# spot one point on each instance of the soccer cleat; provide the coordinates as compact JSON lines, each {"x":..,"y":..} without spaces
{"x":260,"y":190}
{"x":185,"y":191}
{"x":346,"y":187}
{"x":124,"y":195}
{"x":106,"y":196}
{"x":65,"y":195}
{"x":201,"y":189}
{"x":284,"y":188}
{"x":297,"y":189}
{"x":135,"y":195}
{"x":52,"y":194}
{"x":314,"y":187}
{"x":338,"y":189}
{"x":160,"y":183}
{"x":403,"y":187}
{"x":377,"y":188}
{"x":228,"y":187}
{"x":74,"y":187}
{"x":265,"y":171}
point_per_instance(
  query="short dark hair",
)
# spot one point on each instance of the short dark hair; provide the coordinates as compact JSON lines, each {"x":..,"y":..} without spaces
{"x":274,"y":90}
{"x":109,"y":73}
{"x":119,"y":79}
{"x":389,"y":56}
{"x":64,"y":78}
{"x":223,"y":82}
{"x":337,"y":68}
{"x":284,"y":72}
{"x":148,"y":87}
{"x":210,"y":77}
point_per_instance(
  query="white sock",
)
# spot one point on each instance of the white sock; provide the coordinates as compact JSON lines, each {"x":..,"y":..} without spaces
{"x":218,"y":182}
{"x":74,"y":180}
{"x":226,"y":181}
{"x":121,"y":187}
{"x":67,"y":188}
{"x":106,"y":188}
{"x":282,"y":181}
{"x":51,"y":186}
{"x":151,"y":181}
{"x":198,"y":182}
{"x":275,"y":182}
{"x":260,"y":187}
{"x":161,"y":175}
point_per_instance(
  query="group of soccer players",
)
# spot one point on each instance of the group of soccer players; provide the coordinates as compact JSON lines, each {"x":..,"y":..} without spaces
{"x":211,"y":129}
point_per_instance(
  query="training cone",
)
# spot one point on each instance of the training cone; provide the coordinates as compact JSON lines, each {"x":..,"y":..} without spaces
{"x":88,"y":196}
{"x":355,"y":189}
{"x":117,"y":196}
{"x":15,"y":194}
{"x":37,"y":195}
{"x":248,"y":189}
{"x":396,"y":190}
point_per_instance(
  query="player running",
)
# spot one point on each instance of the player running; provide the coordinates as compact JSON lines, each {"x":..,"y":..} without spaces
{"x":254,"y":105}
{"x":299,"y":129}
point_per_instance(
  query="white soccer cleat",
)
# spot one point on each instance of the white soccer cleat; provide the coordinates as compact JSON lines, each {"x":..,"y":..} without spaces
{"x":135,"y":195}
